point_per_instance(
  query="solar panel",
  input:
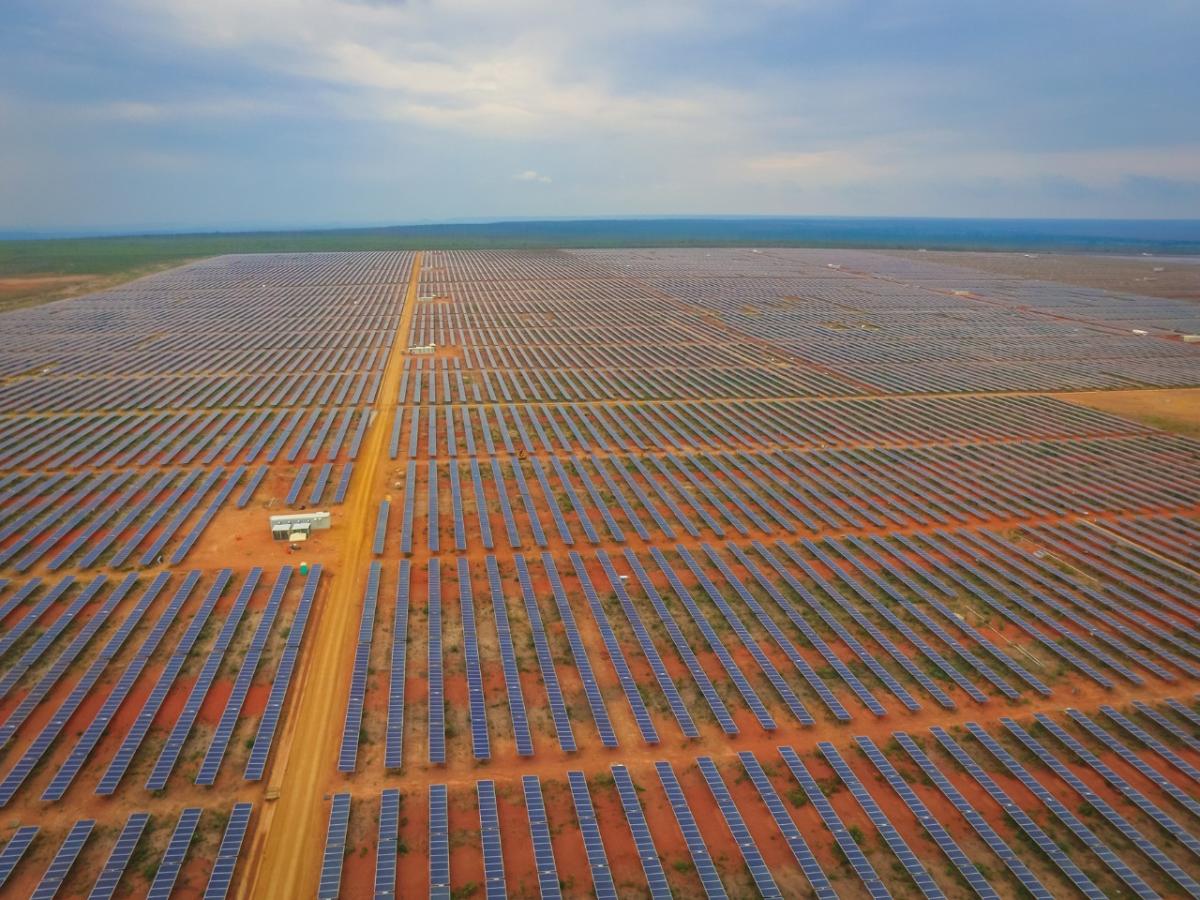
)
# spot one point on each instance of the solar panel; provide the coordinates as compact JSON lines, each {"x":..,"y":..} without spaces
{"x":330,"y":884}
{"x":756,"y":652}
{"x":656,"y":878}
{"x":993,"y":840}
{"x":508,"y":662}
{"x":439,"y":843}
{"x":394,"y":743}
{"x":746,"y":844}
{"x":920,"y":875}
{"x":348,"y":753}
{"x":163,"y":884}
{"x":591,"y":688}
{"x":749,"y":695}
{"x":701,"y":858}
{"x":1119,"y":822}
{"x":99,"y":725}
{"x":816,"y":876}
{"x":211,"y":763}
{"x":489,"y":837}
{"x":616,"y":656}
{"x":169,"y":754}
{"x":593,"y":844}
{"x":539,"y":832}
{"x":929,"y":822}
{"x":256,"y":764}
{"x":64,"y":858}
{"x":1119,"y":867}
{"x":433,"y":662}
{"x":1024,"y":821}
{"x":221,"y":877}
{"x":381,"y":521}
{"x":118,"y":858}
{"x":476,"y":701}
{"x":1164,"y":784}
{"x":845,"y":840}
{"x":15,"y":849}
{"x":58,"y":720}
{"x":388,"y":844}
{"x":541,"y":646}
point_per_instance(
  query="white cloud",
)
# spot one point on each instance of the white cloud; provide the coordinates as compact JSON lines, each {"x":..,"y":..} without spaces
{"x":531,"y":175}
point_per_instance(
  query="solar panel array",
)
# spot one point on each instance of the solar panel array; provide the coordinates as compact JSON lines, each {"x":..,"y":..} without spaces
{"x":739,"y":495}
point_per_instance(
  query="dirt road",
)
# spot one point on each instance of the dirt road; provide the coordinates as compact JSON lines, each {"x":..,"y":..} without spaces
{"x":285,"y":850}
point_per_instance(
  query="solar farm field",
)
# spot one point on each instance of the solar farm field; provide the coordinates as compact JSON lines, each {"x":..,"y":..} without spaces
{"x":651,"y":573}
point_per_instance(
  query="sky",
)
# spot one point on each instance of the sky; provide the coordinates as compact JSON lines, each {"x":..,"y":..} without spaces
{"x":201,"y":114}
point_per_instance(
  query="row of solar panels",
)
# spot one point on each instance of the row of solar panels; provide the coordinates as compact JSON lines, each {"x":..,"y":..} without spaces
{"x":182,"y":438}
{"x":189,"y":391}
{"x":95,"y":513}
{"x":554,"y":385}
{"x":1043,"y":786}
{"x":103,"y":719}
{"x":685,"y":426}
{"x":106,"y":884}
{"x":936,"y":638}
{"x":817,"y":491}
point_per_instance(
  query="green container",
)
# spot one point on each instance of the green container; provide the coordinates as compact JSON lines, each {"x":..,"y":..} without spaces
{"x":303,"y":568}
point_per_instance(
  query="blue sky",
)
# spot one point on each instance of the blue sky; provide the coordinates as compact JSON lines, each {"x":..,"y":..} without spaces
{"x":250,"y":113}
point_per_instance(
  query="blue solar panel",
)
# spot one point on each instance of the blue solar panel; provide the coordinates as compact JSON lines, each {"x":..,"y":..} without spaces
{"x":99,"y":725}
{"x":67,"y":853}
{"x":47,"y":637}
{"x":920,"y":875}
{"x":858,"y":861}
{"x":348,"y":753}
{"x":616,"y":656}
{"x":456,"y":503}
{"x":58,"y":720}
{"x":753,"y":701}
{"x":508,"y":662}
{"x":394,"y":745}
{"x":388,"y":844}
{"x":591,"y":688}
{"x":816,"y":876}
{"x":746,"y":844}
{"x":330,"y":884}
{"x":489,"y":838}
{"x":177,"y":848}
{"x":410,"y":499}
{"x":993,"y":840}
{"x":476,"y":701}
{"x":221,"y":877}
{"x":656,"y":878}
{"x":15,"y":849}
{"x":539,"y":831}
{"x":439,"y":843}
{"x":158,"y":694}
{"x":703,"y":683}
{"x":784,"y":690}
{"x":257,"y":763}
{"x":437,"y":697}
{"x":1135,"y":730}
{"x":1165,"y":784}
{"x":118,"y":858}
{"x":191,"y":708}
{"x":343,"y":486}
{"x":381,"y":521}
{"x":936,"y":830}
{"x":211,"y":763}
{"x":593,"y":844}
{"x":554,"y":695}
{"x":1119,"y":822}
{"x":781,"y":640}
{"x":1043,"y":841}
{"x":701,"y":858}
